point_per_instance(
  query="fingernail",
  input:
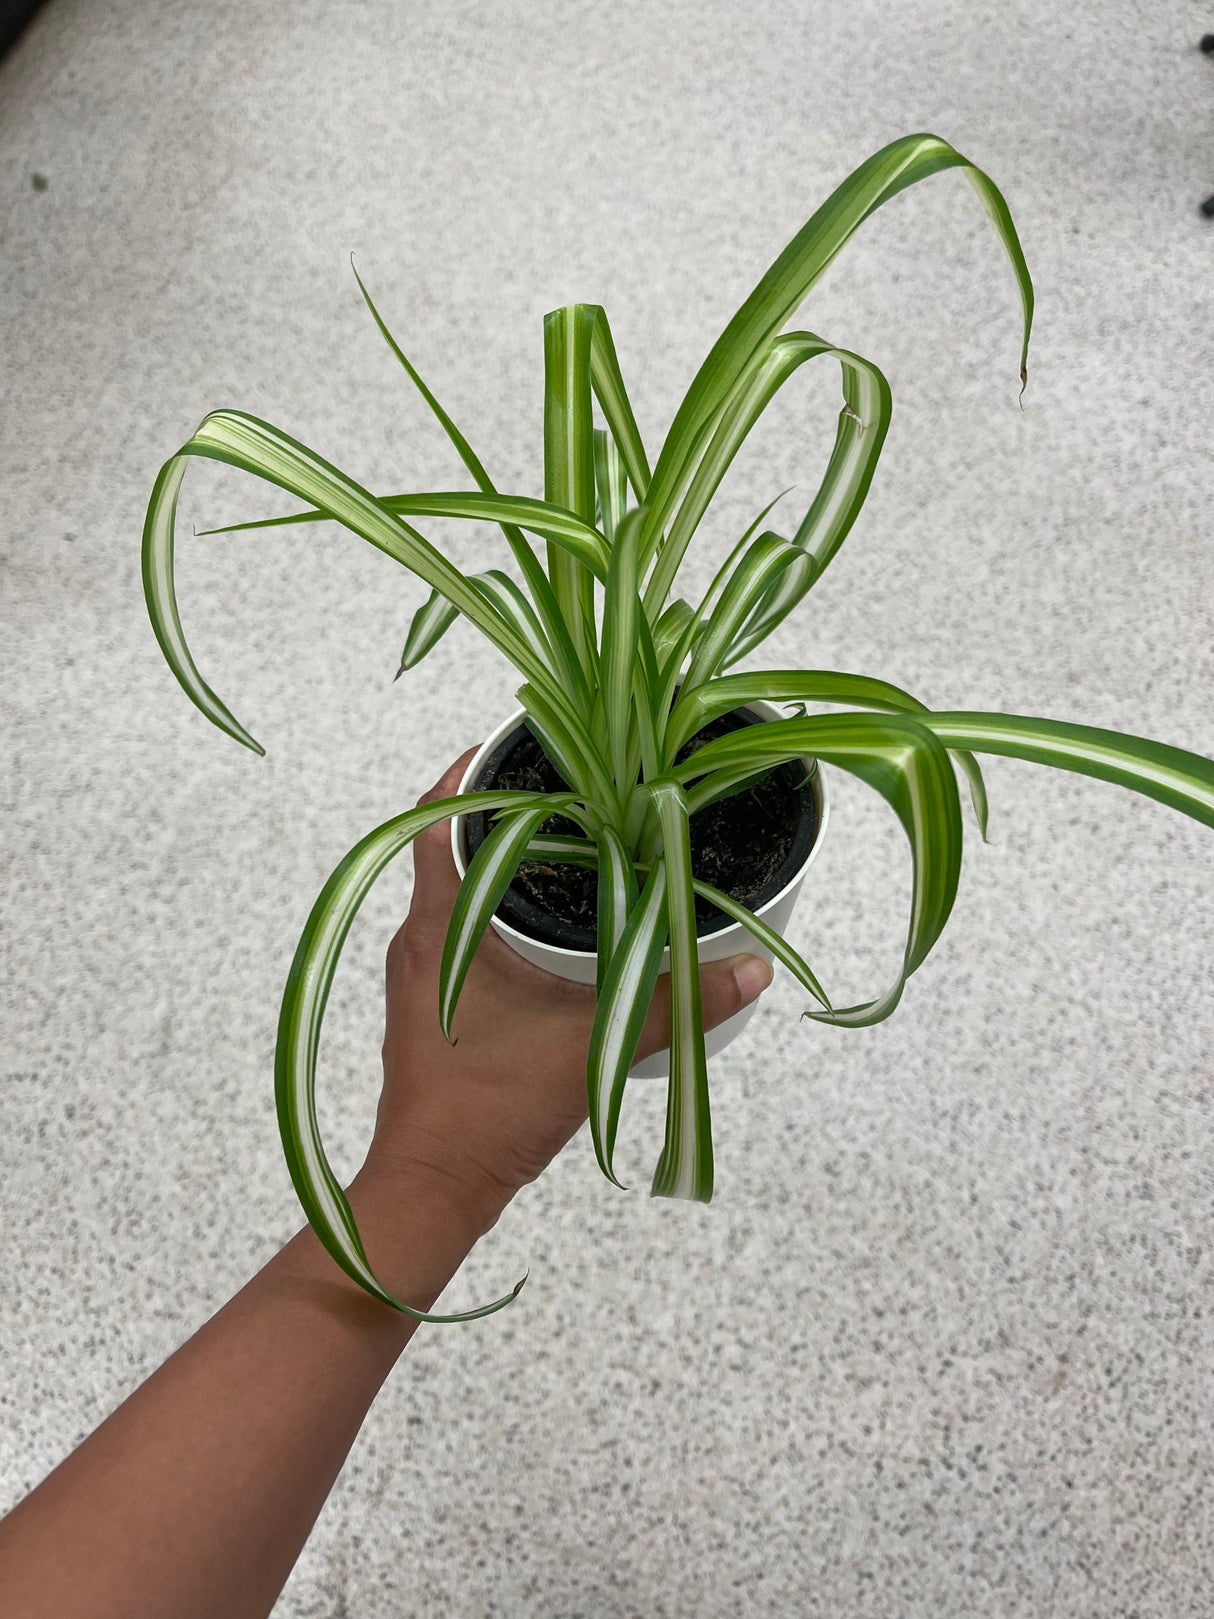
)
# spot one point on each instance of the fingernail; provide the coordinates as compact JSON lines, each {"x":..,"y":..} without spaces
{"x":752,"y":975}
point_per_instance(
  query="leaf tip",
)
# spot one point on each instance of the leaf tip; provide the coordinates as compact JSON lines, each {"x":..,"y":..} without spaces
{"x":520,"y":1284}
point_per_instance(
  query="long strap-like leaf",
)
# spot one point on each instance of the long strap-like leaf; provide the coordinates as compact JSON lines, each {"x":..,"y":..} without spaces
{"x":608,"y":384}
{"x":436,"y":615}
{"x":570,"y":746}
{"x":610,"y":483}
{"x":863,"y":424}
{"x":299,"y":1024}
{"x":695,"y":708}
{"x":620,"y":1012}
{"x":160,"y":594}
{"x":257,"y":447}
{"x":685,"y":1168}
{"x":465,"y":451}
{"x":488,"y":877}
{"x":534,"y":576}
{"x":766,"y":558}
{"x":617,"y":896}
{"x":426,"y":629}
{"x":569,"y":456}
{"x":786,"y":282}
{"x":431,"y":622}
{"x":907,"y":765}
{"x":563,"y":528}
{"x":775,"y":942}
{"x":1174,"y":776}
{"x":680,"y":626}
{"x":617,"y":893}
{"x":621,"y":649}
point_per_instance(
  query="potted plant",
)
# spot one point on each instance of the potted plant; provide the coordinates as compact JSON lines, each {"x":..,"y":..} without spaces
{"x":582,"y":826}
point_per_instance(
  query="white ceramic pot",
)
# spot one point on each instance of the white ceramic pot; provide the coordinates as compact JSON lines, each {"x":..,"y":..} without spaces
{"x":730,"y":940}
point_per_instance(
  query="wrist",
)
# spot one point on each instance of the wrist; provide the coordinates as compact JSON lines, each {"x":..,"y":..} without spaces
{"x":416,"y":1234}
{"x":442,"y":1195}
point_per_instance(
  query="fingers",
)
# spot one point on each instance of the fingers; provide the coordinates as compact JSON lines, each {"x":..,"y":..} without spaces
{"x":725,"y":988}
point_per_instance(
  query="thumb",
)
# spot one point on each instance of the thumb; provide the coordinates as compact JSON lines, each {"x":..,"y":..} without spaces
{"x":725,"y":988}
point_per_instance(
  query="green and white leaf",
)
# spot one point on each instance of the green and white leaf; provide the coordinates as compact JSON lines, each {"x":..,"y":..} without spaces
{"x":299,"y":1027}
{"x":784,"y":285}
{"x":617,"y":896}
{"x":256,"y":447}
{"x":465,"y":451}
{"x":161,"y":597}
{"x":569,"y":457}
{"x":436,"y":616}
{"x":863,"y":423}
{"x":533,"y":574}
{"x":485,"y":882}
{"x":562,"y":528}
{"x":608,"y":384}
{"x":764,"y":561}
{"x":610,"y":482}
{"x":621,"y":651}
{"x":1174,"y":776}
{"x":501,"y":592}
{"x":767,"y":937}
{"x":902,"y":761}
{"x":427,"y":627}
{"x":547,"y":846}
{"x":669,"y":629}
{"x":570,"y":746}
{"x":697,"y":707}
{"x":623,"y":1004}
{"x":680,"y":626}
{"x":685,"y":1169}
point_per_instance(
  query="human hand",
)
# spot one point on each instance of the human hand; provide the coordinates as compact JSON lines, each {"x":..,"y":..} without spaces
{"x":482,"y":1117}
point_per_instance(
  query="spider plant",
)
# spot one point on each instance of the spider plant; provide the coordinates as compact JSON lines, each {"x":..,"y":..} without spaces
{"x":618,"y":674}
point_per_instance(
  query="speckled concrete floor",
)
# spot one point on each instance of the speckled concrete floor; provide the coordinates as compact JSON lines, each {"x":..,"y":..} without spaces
{"x":943,"y":1343}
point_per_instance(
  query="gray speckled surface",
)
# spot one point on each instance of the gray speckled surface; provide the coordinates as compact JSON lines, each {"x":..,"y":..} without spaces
{"x":942,"y":1344}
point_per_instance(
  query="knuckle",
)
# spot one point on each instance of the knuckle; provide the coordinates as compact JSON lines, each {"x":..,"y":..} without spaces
{"x":398,"y":947}
{"x":434,"y":837}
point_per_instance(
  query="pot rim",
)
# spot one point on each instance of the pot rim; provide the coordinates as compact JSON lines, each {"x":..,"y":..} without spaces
{"x":767,"y":711}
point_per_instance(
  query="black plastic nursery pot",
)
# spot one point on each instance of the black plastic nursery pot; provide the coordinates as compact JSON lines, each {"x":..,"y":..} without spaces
{"x":750,"y":846}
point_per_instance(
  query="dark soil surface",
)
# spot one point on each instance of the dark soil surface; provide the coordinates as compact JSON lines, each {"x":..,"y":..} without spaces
{"x":748,"y":846}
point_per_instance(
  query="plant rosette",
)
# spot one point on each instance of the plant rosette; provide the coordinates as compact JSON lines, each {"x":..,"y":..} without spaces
{"x":551,"y":940}
{"x":627,"y":692}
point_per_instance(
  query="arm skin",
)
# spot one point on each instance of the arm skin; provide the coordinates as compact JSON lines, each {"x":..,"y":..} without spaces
{"x":193,"y":1500}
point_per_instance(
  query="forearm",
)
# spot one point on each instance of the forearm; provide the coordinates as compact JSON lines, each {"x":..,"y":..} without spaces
{"x":193,"y":1500}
